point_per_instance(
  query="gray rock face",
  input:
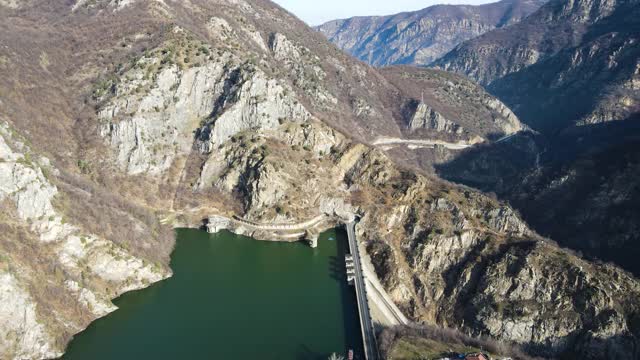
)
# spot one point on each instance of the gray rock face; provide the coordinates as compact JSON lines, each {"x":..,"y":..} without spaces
{"x":149,"y":130}
{"x":22,"y":336}
{"x":308,"y":74}
{"x":532,"y":286}
{"x":462,"y":277}
{"x":423,"y":36}
{"x":441,"y":265}
{"x":449,"y":107}
{"x":427,"y":118}
{"x":260,"y":104}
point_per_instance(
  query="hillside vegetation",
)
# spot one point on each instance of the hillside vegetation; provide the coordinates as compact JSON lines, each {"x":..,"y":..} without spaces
{"x":123,"y":118}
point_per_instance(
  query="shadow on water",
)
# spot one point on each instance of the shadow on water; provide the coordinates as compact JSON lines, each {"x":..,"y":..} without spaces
{"x":305,"y":353}
{"x":348,"y":298}
{"x":337,"y":270}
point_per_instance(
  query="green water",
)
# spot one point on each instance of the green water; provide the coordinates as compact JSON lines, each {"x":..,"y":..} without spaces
{"x":234,"y":298}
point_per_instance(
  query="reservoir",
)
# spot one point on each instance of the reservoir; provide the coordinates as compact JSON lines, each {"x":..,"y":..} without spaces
{"x":232,"y":297}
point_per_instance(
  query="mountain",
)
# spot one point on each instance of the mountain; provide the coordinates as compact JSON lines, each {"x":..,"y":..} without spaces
{"x":571,"y":71}
{"x":440,"y":114}
{"x":421,"y":37}
{"x":584,"y":53}
{"x":121,"y":119}
{"x":580,"y":188}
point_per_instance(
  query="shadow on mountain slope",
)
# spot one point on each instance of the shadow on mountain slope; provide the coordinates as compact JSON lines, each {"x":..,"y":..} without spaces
{"x":579,"y":188}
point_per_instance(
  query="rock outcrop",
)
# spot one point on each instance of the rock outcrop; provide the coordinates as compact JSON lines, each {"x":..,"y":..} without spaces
{"x":441,"y":105}
{"x":429,"y":119}
{"x":89,"y":270}
{"x":22,"y":335}
{"x":472,"y":281}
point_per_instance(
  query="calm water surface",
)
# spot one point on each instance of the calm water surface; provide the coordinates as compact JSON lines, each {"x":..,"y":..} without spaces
{"x":234,"y":298}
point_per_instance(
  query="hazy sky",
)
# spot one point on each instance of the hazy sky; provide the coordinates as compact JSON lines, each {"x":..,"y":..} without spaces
{"x":316,"y":12}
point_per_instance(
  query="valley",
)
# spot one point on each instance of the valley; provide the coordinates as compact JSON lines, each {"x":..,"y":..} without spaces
{"x":121,"y":121}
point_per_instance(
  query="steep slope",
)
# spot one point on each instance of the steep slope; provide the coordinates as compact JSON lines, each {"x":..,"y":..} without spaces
{"x":583,"y":193}
{"x":442,"y":105}
{"x":585,"y":52}
{"x":571,"y":71}
{"x":440,"y":115}
{"x":179,"y":111}
{"x":423,"y":36}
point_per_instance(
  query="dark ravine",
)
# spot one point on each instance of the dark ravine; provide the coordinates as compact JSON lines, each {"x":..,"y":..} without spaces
{"x":580,"y":188}
{"x":124,"y":118}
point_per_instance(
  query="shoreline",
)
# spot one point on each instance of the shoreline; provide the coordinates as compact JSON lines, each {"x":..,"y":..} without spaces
{"x":117,"y":308}
{"x":383,"y":311}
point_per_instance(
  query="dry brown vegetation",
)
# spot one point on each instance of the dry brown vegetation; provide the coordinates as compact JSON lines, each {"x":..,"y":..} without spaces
{"x":454,"y":96}
{"x":57,"y":65}
{"x":110,"y":216}
{"x":23,"y":255}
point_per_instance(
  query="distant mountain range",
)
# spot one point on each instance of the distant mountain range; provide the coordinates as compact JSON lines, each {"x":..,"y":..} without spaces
{"x":570,"y":63}
{"x":421,"y":37}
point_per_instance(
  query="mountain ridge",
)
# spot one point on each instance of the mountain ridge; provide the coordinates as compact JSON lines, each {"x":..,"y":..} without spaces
{"x":420,"y":37}
{"x":585,"y":52}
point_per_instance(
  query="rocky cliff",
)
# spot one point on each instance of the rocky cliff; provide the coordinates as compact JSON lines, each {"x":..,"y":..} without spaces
{"x":480,"y":269}
{"x":56,"y":275}
{"x":442,"y":105}
{"x":423,"y":36}
{"x":179,"y":111}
